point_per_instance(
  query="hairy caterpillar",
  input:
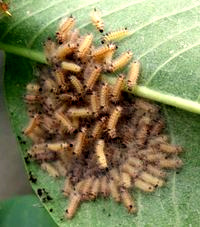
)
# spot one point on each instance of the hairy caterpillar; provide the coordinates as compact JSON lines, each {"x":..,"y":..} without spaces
{"x":97,"y":20}
{"x":115,"y":35}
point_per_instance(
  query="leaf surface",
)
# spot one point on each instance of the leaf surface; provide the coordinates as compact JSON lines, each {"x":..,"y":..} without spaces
{"x":176,"y":204}
{"x":165,"y":38}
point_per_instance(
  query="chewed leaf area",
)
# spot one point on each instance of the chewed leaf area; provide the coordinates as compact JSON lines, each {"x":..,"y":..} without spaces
{"x":102,"y":140}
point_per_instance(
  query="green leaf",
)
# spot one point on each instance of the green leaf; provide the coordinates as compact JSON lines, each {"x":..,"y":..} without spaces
{"x":164,"y":36}
{"x":24,"y":211}
{"x":176,"y":204}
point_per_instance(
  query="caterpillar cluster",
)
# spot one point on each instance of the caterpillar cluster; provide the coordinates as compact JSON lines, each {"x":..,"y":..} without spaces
{"x":103,"y":141}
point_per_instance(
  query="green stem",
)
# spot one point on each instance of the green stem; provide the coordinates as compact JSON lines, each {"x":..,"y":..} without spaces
{"x":168,"y":99}
{"x":24,"y":52}
{"x":142,"y":91}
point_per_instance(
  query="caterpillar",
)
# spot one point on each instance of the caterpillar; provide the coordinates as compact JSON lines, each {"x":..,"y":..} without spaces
{"x":104,"y":189}
{"x":92,"y":78}
{"x":83,"y":112}
{"x":64,"y":28}
{"x":77,"y":84}
{"x":95,"y":188}
{"x":151,"y":179}
{"x":33,"y":123}
{"x":133,"y":74}
{"x":104,"y":97}
{"x":85,"y":189}
{"x":128,"y":201}
{"x":121,"y":61}
{"x":95,"y":103}
{"x":112,"y":121}
{"x":65,"y":50}
{"x":117,"y":88}
{"x":68,"y":188}
{"x":74,"y":202}
{"x":100,"y":153}
{"x":65,"y":121}
{"x":114,"y":191}
{"x":98,"y":128}
{"x":97,"y":20}
{"x":69,"y":66}
{"x":144,"y":186}
{"x":85,"y":46}
{"x":125,"y":180}
{"x":115,"y":35}
{"x":103,"y":51}
{"x":80,"y":141}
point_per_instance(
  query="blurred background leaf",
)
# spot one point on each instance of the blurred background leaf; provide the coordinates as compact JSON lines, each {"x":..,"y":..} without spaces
{"x":24,"y":211}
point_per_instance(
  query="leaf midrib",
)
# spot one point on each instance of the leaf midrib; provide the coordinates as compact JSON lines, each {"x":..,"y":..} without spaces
{"x":142,"y":91}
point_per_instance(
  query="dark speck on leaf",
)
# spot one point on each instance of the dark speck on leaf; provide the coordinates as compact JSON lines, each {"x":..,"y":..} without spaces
{"x":49,"y":198}
{"x":39,"y":191}
{"x":32,"y":178}
{"x":44,"y":190}
{"x":27,"y":160}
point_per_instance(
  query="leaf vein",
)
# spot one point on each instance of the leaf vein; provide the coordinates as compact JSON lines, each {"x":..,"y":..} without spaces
{"x":162,"y":17}
{"x":169,"y":60}
{"x":166,"y":40}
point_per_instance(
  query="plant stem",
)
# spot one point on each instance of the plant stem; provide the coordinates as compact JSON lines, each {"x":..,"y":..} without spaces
{"x":168,"y":99}
{"x":24,"y":52}
{"x":141,"y":91}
